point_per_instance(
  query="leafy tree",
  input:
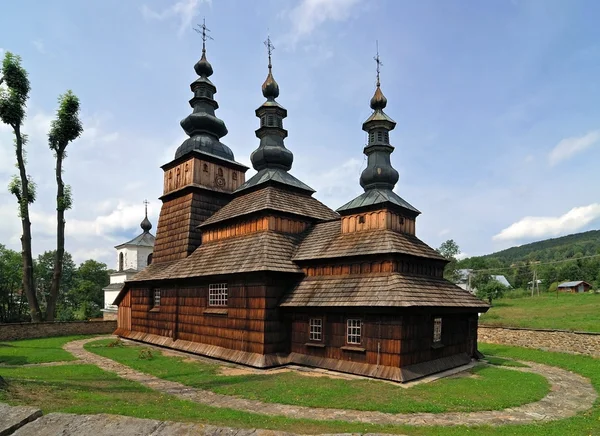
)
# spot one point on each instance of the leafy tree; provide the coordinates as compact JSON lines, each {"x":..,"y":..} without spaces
{"x":44,"y":270}
{"x":64,"y":129}
{"x":87,"y":295}
{"x":488,"y":288}
{"x":12,"y":304}
{"x":13,"y":101}
{"x":449,"y":249}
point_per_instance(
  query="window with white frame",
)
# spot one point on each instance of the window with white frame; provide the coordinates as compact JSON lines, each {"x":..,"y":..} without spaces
{"x":353,"y":330}
{"x":217,"y":294}
{"x":437,"y":330}
{"x":315,"y":332}
{"x":156,"y":298}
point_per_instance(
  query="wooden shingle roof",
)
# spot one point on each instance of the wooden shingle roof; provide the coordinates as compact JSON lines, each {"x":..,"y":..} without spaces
{"x":326,"y":241}
{"x":262,"y":251}
{"x":379,"y":290}
{"x":273,"y":198}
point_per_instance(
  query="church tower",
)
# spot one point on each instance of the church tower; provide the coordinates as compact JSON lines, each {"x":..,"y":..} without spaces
{"x":201,"y":177}
{"x":379,"y":206}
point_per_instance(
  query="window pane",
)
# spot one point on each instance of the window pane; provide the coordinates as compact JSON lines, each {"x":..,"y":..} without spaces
{"x":437,"y":330}
{"x":156,"y":297}
{"x":217,"y":294}
{"x":315,"y":329}
{"x":353,"y":330}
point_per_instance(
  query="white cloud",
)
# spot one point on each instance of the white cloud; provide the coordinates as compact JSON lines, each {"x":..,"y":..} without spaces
{"x":184,"y":10}
{"x":539,"y":227}
{"x":310,"y":14}
{"x":570,"y":146}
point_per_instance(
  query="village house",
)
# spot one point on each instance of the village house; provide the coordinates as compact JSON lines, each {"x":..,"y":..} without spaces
{"x":575,"y":286}
{"x":260,"y":273}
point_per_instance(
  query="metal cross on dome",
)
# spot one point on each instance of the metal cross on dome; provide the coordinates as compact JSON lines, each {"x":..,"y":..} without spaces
{"x":379,"y":63}
{"x":146,"y":203}
{"x":202,"y":29}
{"x":270,"y":48}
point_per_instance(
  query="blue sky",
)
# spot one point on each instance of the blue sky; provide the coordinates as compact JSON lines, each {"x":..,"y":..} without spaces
{"x":498,"y":135}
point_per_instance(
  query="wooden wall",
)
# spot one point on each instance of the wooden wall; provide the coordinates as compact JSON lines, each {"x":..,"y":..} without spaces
{"x":270,"y":222}
{"x":415,"y":266}
{"x":200,"y":172}
{"x":251,"y":321}
{"x":388,"y":340}
{"x":381,"y":219}
{"x":176,"y":233}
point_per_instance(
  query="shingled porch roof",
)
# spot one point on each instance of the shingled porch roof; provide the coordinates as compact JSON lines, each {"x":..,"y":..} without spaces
{"x":273,"y":198}
{"x":326,"y":241}
{"x":380,"y":290}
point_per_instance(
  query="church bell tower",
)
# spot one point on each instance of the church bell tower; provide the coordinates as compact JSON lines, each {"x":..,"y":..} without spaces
{"x":203,"y":174}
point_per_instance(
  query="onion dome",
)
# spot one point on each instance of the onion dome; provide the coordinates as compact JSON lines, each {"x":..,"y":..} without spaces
{"x":378,"y":101}
{"x":203,"y":68}
{"x":272,"y":160}
{"x":146,"y":225}
{"x":379,"y":177}
{"x":202,"y":126}
{"x":271,"y":153}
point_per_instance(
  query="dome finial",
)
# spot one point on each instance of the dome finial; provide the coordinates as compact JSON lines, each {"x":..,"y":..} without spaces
{"x":146,"y":225}
{"x":203,"y":67}
{"x":378,"y":101}
{"x":270,"y":88}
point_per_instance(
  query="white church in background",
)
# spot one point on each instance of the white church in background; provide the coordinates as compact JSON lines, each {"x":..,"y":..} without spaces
{"x":132,"y":257}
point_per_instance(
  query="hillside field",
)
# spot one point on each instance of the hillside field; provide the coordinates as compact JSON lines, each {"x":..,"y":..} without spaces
{"x":566,"y":312}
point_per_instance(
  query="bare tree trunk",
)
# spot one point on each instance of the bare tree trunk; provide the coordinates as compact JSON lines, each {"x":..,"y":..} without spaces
{"x":34,"y":307}
{"x":60,"y":240}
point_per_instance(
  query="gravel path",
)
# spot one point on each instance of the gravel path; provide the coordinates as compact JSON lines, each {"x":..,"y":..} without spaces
{"x":569,"y":394}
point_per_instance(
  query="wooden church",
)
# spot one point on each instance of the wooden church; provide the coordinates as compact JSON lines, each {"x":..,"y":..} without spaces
{"x":260,"y":273}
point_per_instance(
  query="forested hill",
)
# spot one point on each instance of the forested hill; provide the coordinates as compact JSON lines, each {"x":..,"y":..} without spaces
{"x":565,"y":247}
{"x":554,"y":261}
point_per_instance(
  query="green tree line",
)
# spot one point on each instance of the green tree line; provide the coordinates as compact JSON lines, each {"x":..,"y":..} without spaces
{"x":79,"y":296}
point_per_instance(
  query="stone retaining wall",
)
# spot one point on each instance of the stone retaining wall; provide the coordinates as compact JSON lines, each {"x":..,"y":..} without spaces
{"x":563,"y":341}
{"x":12,"y":332}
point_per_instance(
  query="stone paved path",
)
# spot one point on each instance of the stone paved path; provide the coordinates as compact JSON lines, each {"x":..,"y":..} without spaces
{"x":570,"y":394}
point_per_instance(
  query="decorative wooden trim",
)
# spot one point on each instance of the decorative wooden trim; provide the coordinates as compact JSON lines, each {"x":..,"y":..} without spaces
{"x":195,"y":171}
{"x":379,"y":219}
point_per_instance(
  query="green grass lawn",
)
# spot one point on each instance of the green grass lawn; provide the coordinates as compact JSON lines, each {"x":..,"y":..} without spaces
{"x":36,"y":350}
{"x":567,"y":312}
{"x":87,"y":389}
{"x":487,"y":388}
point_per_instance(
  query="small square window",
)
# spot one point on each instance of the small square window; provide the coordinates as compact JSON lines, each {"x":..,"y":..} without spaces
{"x":437,"y":330}
{"x":361,"y":219}
{"x":315,"y":329}
{"x":217,"y":294}
{"x":353,"y":331}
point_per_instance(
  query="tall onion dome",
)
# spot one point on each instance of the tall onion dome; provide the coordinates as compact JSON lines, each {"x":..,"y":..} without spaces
{"x":202,"y":126}
{"x":271,"y":153}
{"x":379,"y":172}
